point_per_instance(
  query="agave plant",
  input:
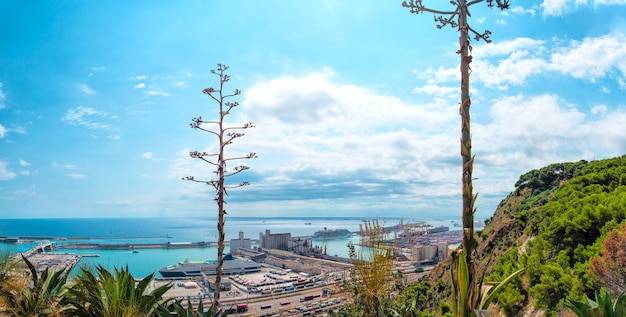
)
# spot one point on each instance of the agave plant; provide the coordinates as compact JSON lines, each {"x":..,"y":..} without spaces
{"x":27,"y":293}
{"x":602,"y":306}
{"x":461,"y":288}
{"x":180,"y":311}
{"x":117,"y":295}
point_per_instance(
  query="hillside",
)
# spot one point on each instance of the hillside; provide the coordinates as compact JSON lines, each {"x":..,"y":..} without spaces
{"x":552,"y":224}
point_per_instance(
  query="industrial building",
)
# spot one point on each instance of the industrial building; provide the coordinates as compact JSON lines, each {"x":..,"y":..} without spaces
{"x":240,"y":243}
{"x":270,"y":240}
{"x":430,"y":253}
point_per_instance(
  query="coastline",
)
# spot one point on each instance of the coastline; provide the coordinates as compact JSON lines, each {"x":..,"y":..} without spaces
{"x":103,"y":237}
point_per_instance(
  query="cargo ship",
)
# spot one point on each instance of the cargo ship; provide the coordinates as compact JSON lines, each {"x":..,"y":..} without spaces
{"x":188,"y":268}
{"x":327,"y":234}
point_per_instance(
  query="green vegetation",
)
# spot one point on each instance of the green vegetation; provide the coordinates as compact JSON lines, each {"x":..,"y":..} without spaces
{"x":573,"y":224}
{"x":116,"y":294}
{"x":25,"y":292}
{"x":601,"y":306}
{"x":562,"y":214}
{"x":371,"y":279}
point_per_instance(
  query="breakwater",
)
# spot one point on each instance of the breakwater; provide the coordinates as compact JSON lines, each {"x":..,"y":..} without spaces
{"x":27,"y":239}
{"x":131,"y":246}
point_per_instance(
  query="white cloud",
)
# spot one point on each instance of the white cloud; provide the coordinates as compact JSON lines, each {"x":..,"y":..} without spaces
{"x":3,"y":131}
{"x":181,"y":84}
{"x":554,"y":7}
{"x":96,"y":69}
{"x":599,"y":109}
{"x":513,"y":62}
{"x":5,"y":174}
{"x":86,"y":117}
{"x":532,"y":131}
{"x":314,"y":126}
{"x":2,"y":97}
{"x":434,"y":77}
{"x":437,"y":90}
{"x":20,"y":130}
{"x":558,"y":7}
{"x":609,"y":2}
{"x":522,"y":10}
{"x":76,"y":175}
{"x":508,"y":47}
{"x":147,"y":155}
{"x":156,"y":93}
{"x":592,"y":58}
{"x":139,"y":86}
{"x":70,"y":167}
{"x":24,"y":163}
{"x":513,"y":70}
{"x":86,"y":89}
{"x":141,"y":77}
{"x":320,"y":139}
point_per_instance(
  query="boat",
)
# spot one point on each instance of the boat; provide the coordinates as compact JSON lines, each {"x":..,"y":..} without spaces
{"x":331,"y":234}
{"x":135,"y":251}
{"x":307,"y":223}
{"x":231,"y":265}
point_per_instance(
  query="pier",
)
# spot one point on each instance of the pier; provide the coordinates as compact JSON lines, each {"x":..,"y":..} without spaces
{"x":26,"y":239}
{"x":126,"y":246}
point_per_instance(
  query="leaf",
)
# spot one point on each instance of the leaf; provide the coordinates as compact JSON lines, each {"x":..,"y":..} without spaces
{"x":579,"y":308}
{"x":493,"y":292}
{"x":463,"y":283}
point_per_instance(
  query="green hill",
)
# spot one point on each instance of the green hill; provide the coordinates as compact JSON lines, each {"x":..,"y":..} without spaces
{"x":553,"y":223}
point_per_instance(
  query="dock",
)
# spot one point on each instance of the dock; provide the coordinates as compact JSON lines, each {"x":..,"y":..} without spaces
{"x":126,"y":246}
{"x":23,"y":239}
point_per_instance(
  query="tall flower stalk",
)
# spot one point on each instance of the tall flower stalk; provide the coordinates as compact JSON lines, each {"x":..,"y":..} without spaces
{"x":468,"y":296}
{"x":225,"y":136}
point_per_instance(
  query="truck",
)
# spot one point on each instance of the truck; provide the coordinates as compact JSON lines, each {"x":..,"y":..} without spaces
{"x":242,"y":308}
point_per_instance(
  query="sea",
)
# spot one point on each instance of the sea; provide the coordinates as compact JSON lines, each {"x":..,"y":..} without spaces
{"x":180,"y":229}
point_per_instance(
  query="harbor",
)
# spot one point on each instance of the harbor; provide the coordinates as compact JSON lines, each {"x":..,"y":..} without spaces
{"x":148,"y":245}
{"x":277,"y":273}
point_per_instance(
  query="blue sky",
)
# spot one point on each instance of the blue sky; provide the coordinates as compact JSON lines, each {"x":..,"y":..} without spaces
{"x":355,"y":104}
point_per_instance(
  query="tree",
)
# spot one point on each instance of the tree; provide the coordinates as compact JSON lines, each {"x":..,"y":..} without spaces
{"x":609,"y":269}
{"x":226,"y":136}
{"x":371,"y":278}
{"x":465,"y":301}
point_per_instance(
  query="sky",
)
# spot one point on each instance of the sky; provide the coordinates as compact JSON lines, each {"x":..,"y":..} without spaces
{"x":354,"y":103}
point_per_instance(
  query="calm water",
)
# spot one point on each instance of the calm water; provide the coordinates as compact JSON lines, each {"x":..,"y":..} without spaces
{"x":159,"y":230}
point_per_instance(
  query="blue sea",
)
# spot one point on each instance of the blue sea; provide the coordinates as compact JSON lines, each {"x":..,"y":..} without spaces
{"x":183,"y":229}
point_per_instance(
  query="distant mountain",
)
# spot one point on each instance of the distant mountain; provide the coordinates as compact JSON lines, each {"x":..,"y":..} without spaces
{"x":552,"y":224}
